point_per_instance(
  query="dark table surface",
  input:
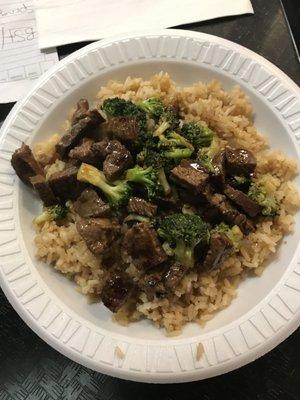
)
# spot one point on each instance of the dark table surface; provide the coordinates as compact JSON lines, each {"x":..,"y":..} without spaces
{"x":30,"y":369}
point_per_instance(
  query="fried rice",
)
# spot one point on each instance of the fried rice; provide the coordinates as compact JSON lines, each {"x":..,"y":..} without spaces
{"x":198,"y":297}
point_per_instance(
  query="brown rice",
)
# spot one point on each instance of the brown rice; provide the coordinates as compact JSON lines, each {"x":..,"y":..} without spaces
{"x":198,"y":297}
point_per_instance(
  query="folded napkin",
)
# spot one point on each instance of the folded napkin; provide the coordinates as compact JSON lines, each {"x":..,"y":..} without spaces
{"x":67,"y":21}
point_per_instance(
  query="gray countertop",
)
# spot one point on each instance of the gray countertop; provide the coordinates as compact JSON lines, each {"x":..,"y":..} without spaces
{"x":30,"y":369}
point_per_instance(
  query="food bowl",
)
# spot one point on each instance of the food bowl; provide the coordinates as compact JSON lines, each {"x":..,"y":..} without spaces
{"x":266,"y":309}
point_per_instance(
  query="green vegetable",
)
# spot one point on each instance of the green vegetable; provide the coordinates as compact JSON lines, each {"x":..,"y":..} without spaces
{"x":178,"y":154}
{"x":198,"y":135}
{"x":206,"y":154}
{"x":234,"y":234}
{"x":147,"y":177}
{"x":53,"y":213}
{"x":117,"y":194}
{"x":136,"y":218}
{"x":268,"y":202}
{"x":151,"y":156}
{"x":241,"y":180}
{"x":174,"y":140}
{"x":183,"y":232}
{"x":163,"y":181}
{"x":168,"y":120}
{"x":152,"y":106}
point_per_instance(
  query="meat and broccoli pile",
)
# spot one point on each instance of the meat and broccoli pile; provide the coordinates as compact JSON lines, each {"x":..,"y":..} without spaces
{"x":149,"y":189}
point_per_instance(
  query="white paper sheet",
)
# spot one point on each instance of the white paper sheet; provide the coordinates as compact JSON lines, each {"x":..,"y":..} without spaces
{"x":21,"y":61}
{"x":67,"y":21}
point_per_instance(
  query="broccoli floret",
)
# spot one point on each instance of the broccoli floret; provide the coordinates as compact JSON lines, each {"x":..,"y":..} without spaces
{"x":206,"y":154}
{"x":117,"y":194}
{"x":199,"y":135}
{"x":178,"y":154}
{"x":53,"y":213}
{"x":146,"y":177}
{"x":152,"y":106}
{"x":153,"y":157}
{"x":268,"y":202}
{"x":234,"y":234}
{"x":117,"y":107}
{"x":173,"y":140}
{"x":168,"y":120}
{"x":183,"y":232}
{"x":239,"y":182}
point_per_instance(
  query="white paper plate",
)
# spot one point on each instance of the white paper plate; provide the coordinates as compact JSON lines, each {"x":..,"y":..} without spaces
{"x":266,"y":310}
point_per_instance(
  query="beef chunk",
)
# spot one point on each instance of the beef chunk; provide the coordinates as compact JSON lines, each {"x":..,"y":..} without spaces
{"x":141,"y":243}
{"x":106,"y":147}
{"x":89,"y":204}
{"x":218,"y":176}
{"x":65,"y":184}
{"x":82,"y":128}
{"x":25,"y":165}
{"x":84,"y":153}
{"x":117,"y":160}
{"x":219,"y":248}
{"x":160,"y":283}
{"x":141,"y":207}
{"x":81,"y":111}
{"x":125,"y":129}
{"x":239,"y":161}
{"x":98,"y":233}
{"x":242,"y":201}
{"x":219,"y":209}
{"x":170,"y":201}
{"x":190,"y":176}
{"x":153,"y":285}
{"x":116,"y":290}
{"x":43,"y":189}
{"x":174,"y":275}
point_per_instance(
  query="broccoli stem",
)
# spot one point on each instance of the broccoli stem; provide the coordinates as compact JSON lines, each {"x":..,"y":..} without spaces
{"x":117,"y":195}
{"x":184,"y":254}
{"x":42,"y":218}
{"x":161,"y":128}
{"x":178,"y":153}
{"x":163,"y":181}
{"x":175,"y":140}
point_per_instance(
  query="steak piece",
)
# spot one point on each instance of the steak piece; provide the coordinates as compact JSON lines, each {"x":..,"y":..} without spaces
{"x":117,"y":160}
{"x":25,"y":165}
{"x":81,"y":111}
{"x":219,"y":209}
{"x":219,"y":248}
{"x":141,"y":243}
{"x":190,"y":176}
{"x":160,"y":283}
{"x":65,"y":184}
{"x":116,"y":290}
{"x":82,"y":128}
{"x":43,"y":189}
{"x":84,"y":153}
{"x":242,"y":201}
{"x":125,"y":129}
{"x":170,"y":201}
{"x":141,"y":207}
{"x":218,"y":176}
{"x":239,"y":161}
{"x":174,"y":276}
{"x":89,"y":204}
{"x":101,"y":148}
{"x":98,"y":233}
{"x":153,"y":285}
